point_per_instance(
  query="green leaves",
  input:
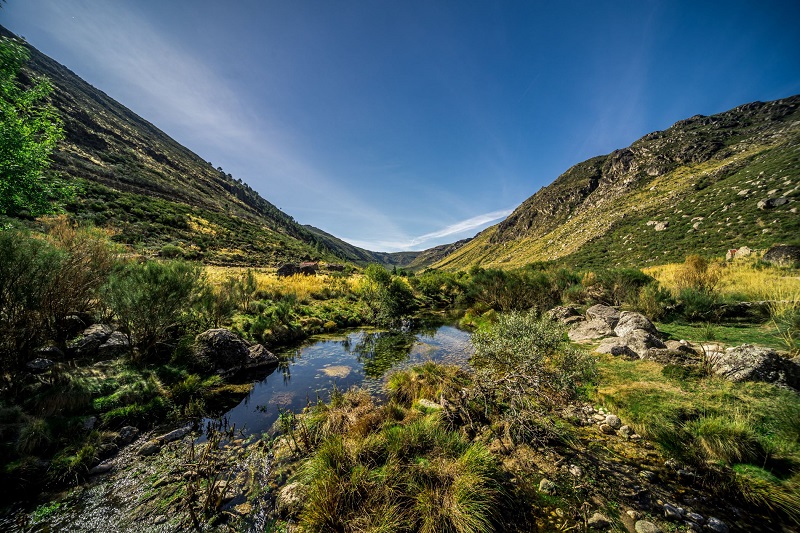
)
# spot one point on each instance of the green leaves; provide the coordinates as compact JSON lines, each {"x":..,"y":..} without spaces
{"x":29,"y":131}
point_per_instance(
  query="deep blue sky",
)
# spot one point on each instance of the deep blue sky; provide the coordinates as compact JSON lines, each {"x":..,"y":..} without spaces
{"x":406,"y":124}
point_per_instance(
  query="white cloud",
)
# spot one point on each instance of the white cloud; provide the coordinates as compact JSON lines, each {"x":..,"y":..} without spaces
{"x":435,"y":237}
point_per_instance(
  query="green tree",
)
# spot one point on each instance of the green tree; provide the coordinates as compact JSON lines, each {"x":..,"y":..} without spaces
{"x":29,"y":131}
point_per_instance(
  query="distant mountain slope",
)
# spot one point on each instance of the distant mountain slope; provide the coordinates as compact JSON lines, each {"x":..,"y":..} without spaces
{"x":704,"y":185}
{"x":152,"y":191}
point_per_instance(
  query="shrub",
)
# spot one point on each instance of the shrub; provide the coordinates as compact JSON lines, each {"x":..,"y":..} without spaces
{"x":524,"y":366}
{"x":697,"y":274}
{"x":784,"y":313}
{"x":654,"y":301}
{"x":151,"y":298}
{"x":697,"y":305}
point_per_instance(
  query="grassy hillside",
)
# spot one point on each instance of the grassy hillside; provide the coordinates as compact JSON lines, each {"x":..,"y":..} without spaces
{"x":152,"y":192}
{"x":702,"y":180}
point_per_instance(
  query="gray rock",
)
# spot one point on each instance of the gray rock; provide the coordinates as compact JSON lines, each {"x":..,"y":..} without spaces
{"x":640,"y":341}
{"x":716,"y":525}
{"x":607,"y":314}
{"x":225,"y":352}
{"x":290,"y":499}
{"x":630,"y":321}
{"x":672,"y":513}
{"x":769,"y":203}
{"x":661,"y":226}
{"x":693,"y":526}
{"x":149,"y":448}
{"x":547,"y":487}
{"x":681,"y":346}
{"x":562,"y":312}
{"x":107,"y":450}
{"x":755,"y":363}
{"x":127,"y":434}
{"x":50,"y":352}
{"x":598,"y":521}
{"x":40,"y":365}
{"x":116,"y":344}
{"x":89,"y":423}
{"x":643,"y":526}
{"x":174,"y":435}
{"x":665,"y":356}
{"x":625,"y":431}
{"x":613,"y":421}
{"x":608,"y":430}
{"x":648,"y":475}
{"x":616,"y":346}
{"x":575,"y":470}
{"x":783,"y":255}
{"x":90,"y":340}
{"x":696,"y":518}
{"x":591,"y":330}
{"x":102,"y":468}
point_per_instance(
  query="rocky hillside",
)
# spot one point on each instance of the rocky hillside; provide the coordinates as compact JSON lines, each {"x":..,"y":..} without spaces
{"x":704,"y":185}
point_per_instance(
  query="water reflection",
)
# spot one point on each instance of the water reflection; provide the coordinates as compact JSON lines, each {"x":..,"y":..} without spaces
{"x":359,"y":358}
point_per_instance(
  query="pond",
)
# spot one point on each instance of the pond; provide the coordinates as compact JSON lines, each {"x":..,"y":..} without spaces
{"x":359,"y":358}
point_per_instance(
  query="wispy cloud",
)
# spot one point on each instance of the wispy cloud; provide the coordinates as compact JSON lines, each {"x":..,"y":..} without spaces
{"x":435,"y":237}
{"x":177,"y":91}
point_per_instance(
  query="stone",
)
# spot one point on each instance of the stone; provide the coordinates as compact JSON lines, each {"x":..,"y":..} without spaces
{"x":680,"y":346}
{"x":50,"y":352}
{"x":625,"y":431}
{"x":743,"y":192}
{"x":127,"y":434}
{"x":225,"y":352}
{"x":115,"y":345}
{"x":608,"y":430}
{"x":174,"y":435}
{"x":742,"y":252}
{"x":590,"y":330}
{"x":102,"y":468}
{"x":89,"y":423}
{"x":716,"y":525}
{"x":150,"y":447}
{"x":575,"y":470}
{"x":290,"y":499}
{"x":783,"y":255}
{"x":672,"y":513}
{"x":755,"y":363}
{"x":643,"y":526}
{"x":90,"y":340}
{"x":598,"y":521}
{"x":770,"y":203}
{"x":107,"y":450}
{"x":40,"y":365}
{"x":613,"y":421}
{"x":665,"y":356}
{"x":547,"y":487}
{"x":634,"y":515}
{"x":429,"y":405}
{"x":661,"y":226}
{"x":605,"y":313}
{"x":648,"y":475}
{"x":562,"y":312}
{"x":696,"y":518}
{"x":630,"y":321}
{"x":640,"y":341}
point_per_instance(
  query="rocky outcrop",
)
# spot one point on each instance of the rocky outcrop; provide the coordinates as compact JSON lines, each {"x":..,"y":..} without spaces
{"x":591,"y":330}
{"x":90,"y":340}
{"x":226,"y":353}
{"x":607,"y":314}
{"x":756,"y":363}
{"x":630,"y":321}
{"x":782,"y":255}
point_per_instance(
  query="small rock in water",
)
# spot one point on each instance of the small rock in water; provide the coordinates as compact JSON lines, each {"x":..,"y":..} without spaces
{"x":546,"y":486}
{"x":598,"y":521}
{"x":149,"y":448}
{"x":693,"y":526}
{"x":102,"y":468}
{"x":127,"y":434}
{"x":696,"y":518}
{"x":643,"y":526}
{"x":716,"y":525}
{"x":175,"y":435}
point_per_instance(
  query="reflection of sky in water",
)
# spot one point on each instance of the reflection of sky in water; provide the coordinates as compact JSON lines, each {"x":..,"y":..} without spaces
{"x":315,"y":367}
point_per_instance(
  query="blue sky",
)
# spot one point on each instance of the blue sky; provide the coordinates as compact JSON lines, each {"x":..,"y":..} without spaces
{"x":400,"y":125}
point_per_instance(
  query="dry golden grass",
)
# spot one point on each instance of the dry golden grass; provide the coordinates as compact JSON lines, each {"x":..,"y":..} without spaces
{"x":304,"y":288}
{"x":738,"y":278}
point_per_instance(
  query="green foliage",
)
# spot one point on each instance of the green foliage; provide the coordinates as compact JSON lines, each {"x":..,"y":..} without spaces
{"x":389,"y":297}
{"x":697,"y":305}
{"x":785,"y":316}
{"x":151,"y":298}
{"x":29,"y":131}
{"x":654,"y":301}
{"x":525,"y":367}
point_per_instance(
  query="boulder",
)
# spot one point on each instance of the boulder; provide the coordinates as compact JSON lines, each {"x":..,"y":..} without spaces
{"x":225,"y":352}
{"x":547,"y":487}
{"x":633,"y":345}
{"x":755,"y":363}
{"x":90,"y":340}
{"x":782,"y":255}
{"x":598,"y":521}
{"x":613,"y":421}
{"x":127,"y":434}
{"x":50,"y":352}
{"x":607,"y":314}
{"x":116,"y":344}
{"x":290,"y":499}
{"x":591,"y":330}
{"x":744,"y":251}
{"x":769,"y":203}
{"x":681,"y":346}
{"x":630,"y":320}
{"x":39,"y":365}
{"x":562,"y":313}
{"x":665,"y":356}
{"x":661,"y":226}
{"x":643,"y":526}
{"x":616,"y":346}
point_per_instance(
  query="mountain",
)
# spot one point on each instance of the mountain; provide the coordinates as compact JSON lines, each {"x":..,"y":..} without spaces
{"x":705,"y":185}
{"x":155,"y":194}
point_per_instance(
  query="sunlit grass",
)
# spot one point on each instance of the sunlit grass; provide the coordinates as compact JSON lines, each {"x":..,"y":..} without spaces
{"x":304,"y":288}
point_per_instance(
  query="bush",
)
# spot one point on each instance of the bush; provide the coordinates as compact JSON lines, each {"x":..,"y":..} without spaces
{"x":697,"y":274}
{"x":654,"y":301}
{"x":151,"y":298}
{"x":524,"y":367}
{"x":697,"y":305}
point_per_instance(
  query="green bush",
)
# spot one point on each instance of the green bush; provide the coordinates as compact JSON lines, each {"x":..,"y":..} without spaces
{"x":149,"y":299}
{"x":654,"y":301}
{"x":698,"y":305}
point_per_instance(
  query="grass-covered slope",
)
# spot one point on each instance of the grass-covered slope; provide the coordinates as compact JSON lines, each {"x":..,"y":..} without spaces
{"x":702,"y":178}
{"x":134,"y":179}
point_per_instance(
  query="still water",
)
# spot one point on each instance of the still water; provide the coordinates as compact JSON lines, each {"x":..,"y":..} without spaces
{"x":360,"y":358}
